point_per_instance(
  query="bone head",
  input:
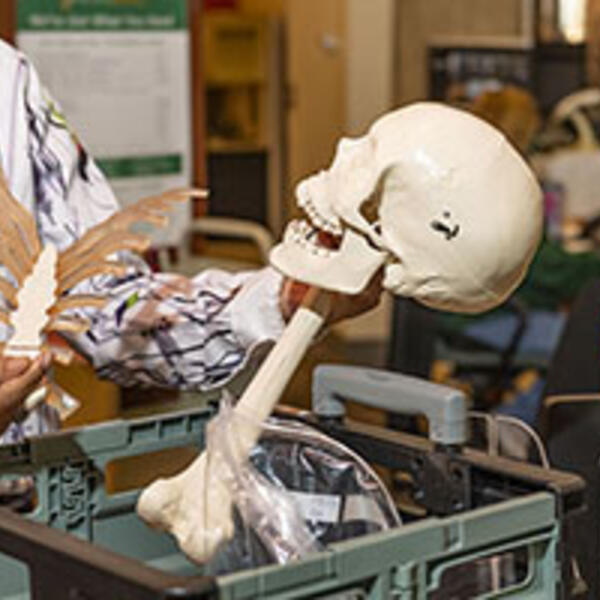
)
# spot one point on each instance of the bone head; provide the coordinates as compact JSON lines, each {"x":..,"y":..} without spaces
{"x":436,"y":195}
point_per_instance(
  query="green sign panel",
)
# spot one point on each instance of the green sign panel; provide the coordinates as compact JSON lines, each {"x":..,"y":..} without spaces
{"x":141,"y":166}
{"x":101,"y":15}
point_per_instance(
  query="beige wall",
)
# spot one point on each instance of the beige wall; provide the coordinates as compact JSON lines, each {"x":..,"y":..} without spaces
{"x":317,"y":47}
{"x":341,"y":74}
{"x":418,"y":21}
{"x":370,"y":66}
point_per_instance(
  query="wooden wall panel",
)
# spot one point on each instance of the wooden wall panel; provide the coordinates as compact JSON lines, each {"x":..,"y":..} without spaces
{"x":317,"y":84}
{"x":419,"y":21}
{"x":593,"y":42}
{"x":198,"y":97}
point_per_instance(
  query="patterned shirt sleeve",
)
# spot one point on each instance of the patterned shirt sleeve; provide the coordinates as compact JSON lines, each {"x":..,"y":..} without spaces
{"x":157,"y":329}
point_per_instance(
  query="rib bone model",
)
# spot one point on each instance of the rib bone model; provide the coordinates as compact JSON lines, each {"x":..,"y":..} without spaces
{"x":44,"y":276}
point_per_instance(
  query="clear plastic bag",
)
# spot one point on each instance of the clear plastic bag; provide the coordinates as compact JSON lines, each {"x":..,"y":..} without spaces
{"x":298,"y":491}
{"x":508,"y":436}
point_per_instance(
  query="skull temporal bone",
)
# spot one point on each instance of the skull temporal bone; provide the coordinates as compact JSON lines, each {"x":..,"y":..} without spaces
{"x":458,"y":212}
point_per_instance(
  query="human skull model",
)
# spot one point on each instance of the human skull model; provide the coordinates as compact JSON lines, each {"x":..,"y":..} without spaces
{"x":436,"y":195}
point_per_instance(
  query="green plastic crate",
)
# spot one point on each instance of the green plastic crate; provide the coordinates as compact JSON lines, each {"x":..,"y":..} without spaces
{"x":82,"y":544}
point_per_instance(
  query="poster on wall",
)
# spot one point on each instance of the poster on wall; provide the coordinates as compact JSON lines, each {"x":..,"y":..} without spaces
{"x":121,"y":71}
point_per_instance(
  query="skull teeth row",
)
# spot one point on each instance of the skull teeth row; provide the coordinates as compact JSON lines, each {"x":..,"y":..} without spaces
{"x":315,"y":216}
{"x":305,"y":235}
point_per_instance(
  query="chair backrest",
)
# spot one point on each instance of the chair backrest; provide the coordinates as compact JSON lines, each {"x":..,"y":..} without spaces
{"x":238,"y":230}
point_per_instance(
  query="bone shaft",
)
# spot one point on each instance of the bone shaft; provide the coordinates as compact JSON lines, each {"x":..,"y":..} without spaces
{"x":263,"y":392}
{"x":265,"y":389}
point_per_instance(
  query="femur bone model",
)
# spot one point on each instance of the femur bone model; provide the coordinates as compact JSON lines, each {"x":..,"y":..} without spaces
{"x":40,"y":301}
{"x":436,"y":197}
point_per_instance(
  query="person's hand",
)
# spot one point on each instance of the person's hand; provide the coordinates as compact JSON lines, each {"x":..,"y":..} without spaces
{"x":344,"y":306}
{"x":18,"y":378}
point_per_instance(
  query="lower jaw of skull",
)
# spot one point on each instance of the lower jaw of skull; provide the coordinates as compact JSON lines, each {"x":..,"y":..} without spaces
{"x":347,"y":268}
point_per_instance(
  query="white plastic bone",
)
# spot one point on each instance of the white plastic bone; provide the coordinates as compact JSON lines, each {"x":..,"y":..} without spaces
{"x":437,"y":194}
{"x":195,"y":506}
{"x":34,"y":299}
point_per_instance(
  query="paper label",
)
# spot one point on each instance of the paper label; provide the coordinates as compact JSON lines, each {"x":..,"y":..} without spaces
{"x":323,"y":508}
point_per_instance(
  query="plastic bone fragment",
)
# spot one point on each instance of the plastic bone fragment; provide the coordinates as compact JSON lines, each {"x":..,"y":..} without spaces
{"x":44,"y":275}
{"x":195,"y":505}
{"x":435,"y":194}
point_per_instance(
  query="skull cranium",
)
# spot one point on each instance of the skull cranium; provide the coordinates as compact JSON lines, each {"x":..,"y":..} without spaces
{"x":436,"y":195}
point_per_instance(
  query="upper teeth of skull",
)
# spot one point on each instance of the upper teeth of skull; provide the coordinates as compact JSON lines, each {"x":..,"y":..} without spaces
{"x":328,"y":225}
